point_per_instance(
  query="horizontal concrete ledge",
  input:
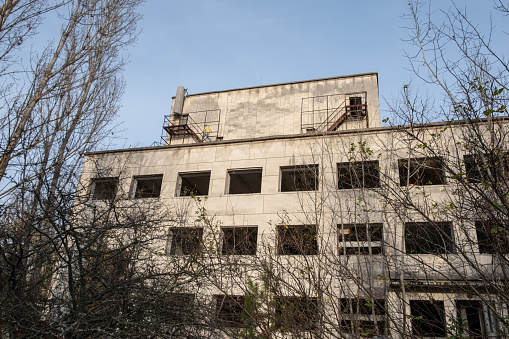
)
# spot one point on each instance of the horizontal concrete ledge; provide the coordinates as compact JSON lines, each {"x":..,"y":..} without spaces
{"x":366,"y":131}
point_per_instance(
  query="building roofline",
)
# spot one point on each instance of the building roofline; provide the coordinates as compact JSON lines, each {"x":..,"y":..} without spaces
{"x":285,"y":83}
{"x":297,"y":136}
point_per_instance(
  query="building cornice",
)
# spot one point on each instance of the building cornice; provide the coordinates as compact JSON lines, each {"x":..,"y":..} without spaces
{"x":373,"y":130}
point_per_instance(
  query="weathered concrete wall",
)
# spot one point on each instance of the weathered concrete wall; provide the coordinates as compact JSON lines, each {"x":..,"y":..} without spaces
{"x":327,"y":207}
{"x":276,"y":109}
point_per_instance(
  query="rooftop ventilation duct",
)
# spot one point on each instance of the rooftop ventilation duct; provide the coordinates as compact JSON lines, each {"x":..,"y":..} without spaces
{"x":178,"y":107}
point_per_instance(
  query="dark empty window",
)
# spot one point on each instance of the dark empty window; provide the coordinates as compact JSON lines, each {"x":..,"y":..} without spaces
{"x":421,"y":171}
{"x":296,"y":313}
{"x":104,"y":188}
{"x":194,"y":184}
{"x":230,"y":310}
{"x":470,"y":313}
{"x":428,"y":318}
{"x":239,"y":240}
{"x":297,"y":240}
{"x":358,"y":175}
{"x":245,"y":181}
{"x":355,"y":106}
{"x":428,"y":238}
{"x":366,"y":306}
{"x":363,"y":328}
{"x":486,"y":167}
{"x":358,"y":317}
{"x":185,"y":240}
{"x":360,"y":238}
{"x":148,"y":187}
{"x":299,"y":178}
{"x":492,"y":237}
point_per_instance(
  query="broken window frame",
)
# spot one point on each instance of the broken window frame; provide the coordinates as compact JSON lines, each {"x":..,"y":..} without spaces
{"x":234,"y":173}
{"x":185,"y":241}
{"x":185,"y":190}
{"x":488,"y":168}
{"x":239,"y":240}
{"x":422,"y":171}
{"x":424,"y":319}
{"x":353,"y":239}
{"x":492,"y":237}
{"x":429,"y":238}
{"x":301,"y":178}
{"x":349,"y":178}
{"x":230,"y":311}
{"x":154,"y":192}
{"x":355,"y":107}
{"x":363,"y":316}
{"x":296,"y":313}
{"x":297,"y":240}
{"x":107,"y":192}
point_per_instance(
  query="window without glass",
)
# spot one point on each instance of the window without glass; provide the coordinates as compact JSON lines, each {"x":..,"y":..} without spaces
{"x":299,"y":178}
{"x":470,"y":312}
{"x":363,"y":317}
{"x":482,"y":167}
{"x":421,"y":171}
{"x":355,"y":107}
{"x":104,"y":188}
{"x":428,"y":318}
{"x":428,"y":238}
{"x":358,"y":175}
{"x":239,"y":240}
{"x":296,"y":313}
{"x":185,"y":240}
{"x":245,"y":181}
{"x":148,"y":187}
{"x":492,"y":237}
{"x":297,"y":240}
{"x":230,"y":310}
{"x":358,"y":238}
{"x":194,"y":184}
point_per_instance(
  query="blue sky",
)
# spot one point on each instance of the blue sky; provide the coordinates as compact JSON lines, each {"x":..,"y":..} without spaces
{"x":207,"y":45}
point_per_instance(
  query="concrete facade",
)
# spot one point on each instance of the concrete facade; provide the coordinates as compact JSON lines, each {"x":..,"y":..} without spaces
{"x":264,"y":129}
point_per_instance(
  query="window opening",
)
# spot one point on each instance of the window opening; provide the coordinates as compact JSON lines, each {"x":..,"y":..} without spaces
{"x":491,"y":237}
{"x":421,"y":171}
{"x":296,"y":313}
{"x":239,"y":240}
{"x":194,"y":184}
{"x":471,"y":320}
{"x":185,"y":240}
{"x":299,"y":178}
{"x":428,"y":318}
{"x":355,"y":107}
{"x":429,"y":238}
{"x":148,"y":187}
{"x":245,"y":181}
{"x":355,"y":239}
{"x":297,"y":240}
{"x":230,"y":310}
{"x":480,"y":168}
{"x":363,"y":317}
{"x":358,"y":175}
{"x":104,"y":188}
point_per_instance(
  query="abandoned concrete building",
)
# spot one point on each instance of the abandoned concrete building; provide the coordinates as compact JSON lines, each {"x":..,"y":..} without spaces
{"x":305,"y":174}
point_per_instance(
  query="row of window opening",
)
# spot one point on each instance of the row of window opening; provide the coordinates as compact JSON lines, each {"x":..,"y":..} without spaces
{"x":364,"y":317}
{"x":353,"y":239}
{"x":350,"y":175}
